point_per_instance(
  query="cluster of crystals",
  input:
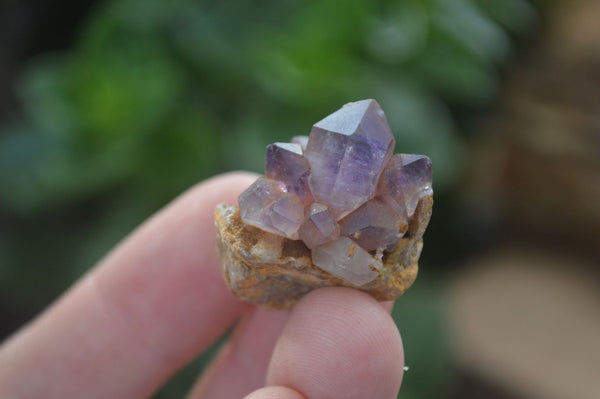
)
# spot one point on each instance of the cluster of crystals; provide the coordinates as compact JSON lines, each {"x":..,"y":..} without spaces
{"x":341,"y":191}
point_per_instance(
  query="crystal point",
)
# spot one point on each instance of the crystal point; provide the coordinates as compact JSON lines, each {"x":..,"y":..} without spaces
{"x":285,"y":163}
{"x":374,"y":225}
{"x":405,"y":179}
{"x":267,"y":205}
{"x":348,"y":151}
{"x":302,"y":140}
{"x":320,"y":226}
{"x":347,"y":260}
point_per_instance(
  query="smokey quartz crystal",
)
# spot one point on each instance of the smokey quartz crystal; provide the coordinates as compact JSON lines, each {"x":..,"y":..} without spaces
{"x":335,"y":207}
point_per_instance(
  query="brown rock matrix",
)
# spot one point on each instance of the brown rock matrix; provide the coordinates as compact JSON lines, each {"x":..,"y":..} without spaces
{"x":274,"y":272}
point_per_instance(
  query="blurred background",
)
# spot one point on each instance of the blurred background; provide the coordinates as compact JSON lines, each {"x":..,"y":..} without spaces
{"x":111,"y":108}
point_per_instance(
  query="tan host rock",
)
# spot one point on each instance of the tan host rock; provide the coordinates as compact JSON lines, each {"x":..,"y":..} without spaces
{"x":275,"y":272}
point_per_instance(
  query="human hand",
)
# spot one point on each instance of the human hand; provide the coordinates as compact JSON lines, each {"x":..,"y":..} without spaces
{"x":158,"y":300}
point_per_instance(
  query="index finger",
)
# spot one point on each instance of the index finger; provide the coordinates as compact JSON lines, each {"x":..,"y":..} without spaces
{"x":146,"y":310}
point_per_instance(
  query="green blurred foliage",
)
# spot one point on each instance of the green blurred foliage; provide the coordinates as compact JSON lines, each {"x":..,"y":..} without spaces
{"x":157,"y":95}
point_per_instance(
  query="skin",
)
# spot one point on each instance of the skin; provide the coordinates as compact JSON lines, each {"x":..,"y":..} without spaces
{"x":158,"y":300}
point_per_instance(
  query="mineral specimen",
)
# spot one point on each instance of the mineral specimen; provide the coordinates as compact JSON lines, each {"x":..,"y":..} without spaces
{"x":406,"y":179}
{"x":302,"y":140}
{"x":348,"y":149}
{"x":345,"y":259}
{"x":335,"y":208}
{"x":320,"y":226}
{"x":374,"y":225}
{"x":286,"y":164}
{"x":267,"y":204}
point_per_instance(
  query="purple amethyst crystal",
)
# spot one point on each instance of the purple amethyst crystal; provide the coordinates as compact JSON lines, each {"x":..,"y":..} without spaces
{"x":405,"y":179}
{"x":286,"y":164}
{"x":340,"y":191}
{"x":266,"y":205}
{"x":320,"y":227}
{"x":348,"y":150}
{"x":302,"y":140}
{"x":374,"y":225}
{"x":345,"y":259}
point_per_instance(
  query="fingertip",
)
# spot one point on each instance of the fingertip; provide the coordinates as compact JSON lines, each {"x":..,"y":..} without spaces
{"x":150,"y":306}
{"x":226,"y":186}
{"x":339,"y":342}
{"x":231,"y":180}
{"x":241,"y":365}
{"x":242,"y":174}
{"x":387,"y":305}
{"x":275,"y":393}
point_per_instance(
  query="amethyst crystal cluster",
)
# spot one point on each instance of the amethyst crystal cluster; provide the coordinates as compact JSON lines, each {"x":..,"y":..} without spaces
{"x":341,"y":191}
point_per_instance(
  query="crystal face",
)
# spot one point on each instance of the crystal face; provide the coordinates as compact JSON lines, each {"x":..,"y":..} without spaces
{"x":405,"y":179}
{"x":345,"y":259}
{"x":340,"y":191}
{"x":266,"y":205}
{"x":374,"y":225}
{"x":302,"y":140}
{"x":286,"y":164}
{"x":349,"y":149}
{"x":320,"y":226}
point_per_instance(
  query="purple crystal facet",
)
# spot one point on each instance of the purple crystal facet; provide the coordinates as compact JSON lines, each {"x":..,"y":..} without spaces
{"x":302,"y":140}
{"x":286,"y":164}
{"x":320,"y":227}
{"x":266,"y":205}
{"x":374,"y":225}
{"x":345,"y":259}
{"x":405,"y":179}
{"x":348,"y":150}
